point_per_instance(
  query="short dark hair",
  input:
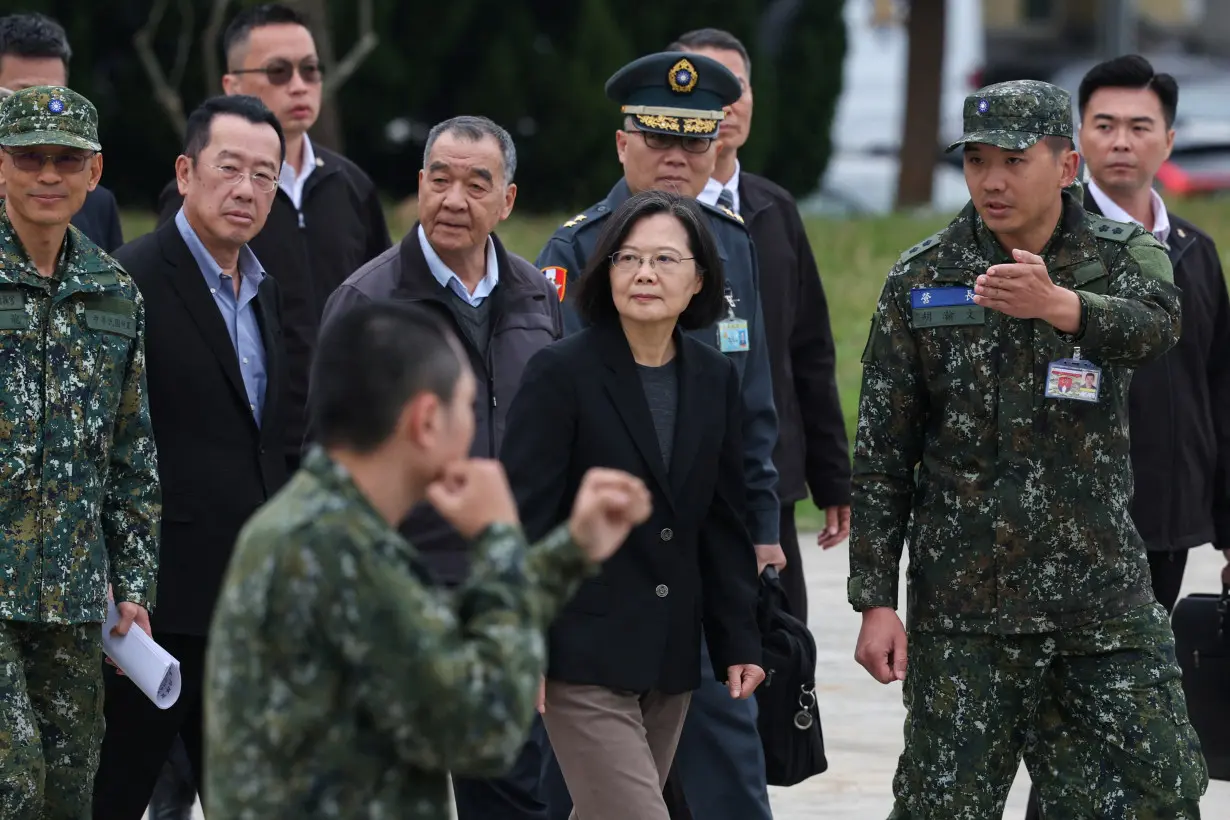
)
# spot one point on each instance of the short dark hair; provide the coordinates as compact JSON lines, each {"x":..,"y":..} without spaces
{"x":474,"y":129}
{"x":1059,"y":145}
{"x":1131,"y":71}
{"x":715,"y":38}
{"x":200,"y":121}
{"x":594,"y":300}
{"x":34,"y":35}
{"x":369,"y":362}
{"x":266,"y":14}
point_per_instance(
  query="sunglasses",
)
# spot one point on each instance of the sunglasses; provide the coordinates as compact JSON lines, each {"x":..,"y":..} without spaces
{"x":664,"y":142}
{"x":35,"y":160}
{"x":280,"y":72}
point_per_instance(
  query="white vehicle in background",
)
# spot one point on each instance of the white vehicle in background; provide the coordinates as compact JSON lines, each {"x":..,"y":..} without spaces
{"x":868,"y":124}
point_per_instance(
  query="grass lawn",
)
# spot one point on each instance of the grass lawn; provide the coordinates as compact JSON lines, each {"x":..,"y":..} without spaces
{"x":853,"y":256}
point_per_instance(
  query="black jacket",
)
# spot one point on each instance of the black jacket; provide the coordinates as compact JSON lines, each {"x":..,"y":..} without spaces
{"x":1179,"y":409}
{"x":525,"y":318}
{"x":812,"y":445}
{"x":99,"y":219}
{"x":637,"y":625}
{"x":215,"y":464}
{"x":310,"y":253}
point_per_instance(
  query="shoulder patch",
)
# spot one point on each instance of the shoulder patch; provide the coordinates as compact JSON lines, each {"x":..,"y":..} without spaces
{"x":927,"y":244}
{"x":1104,"y":228}
{"x":558,"y":277}
{"x":576,"y":220}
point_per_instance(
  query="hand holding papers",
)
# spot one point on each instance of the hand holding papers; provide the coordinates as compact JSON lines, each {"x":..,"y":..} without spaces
{"x":150,"y":667}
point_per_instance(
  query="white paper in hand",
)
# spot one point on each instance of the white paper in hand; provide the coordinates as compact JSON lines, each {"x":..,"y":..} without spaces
{"x":146,"y":664}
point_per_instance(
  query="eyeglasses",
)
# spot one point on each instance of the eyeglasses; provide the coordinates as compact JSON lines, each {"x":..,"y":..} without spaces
{"x":280,"y":71}
{"x":261,"y":181}
{"x":662,"y":261}
{"x":35,"y":160}
{"x":663,"y":142}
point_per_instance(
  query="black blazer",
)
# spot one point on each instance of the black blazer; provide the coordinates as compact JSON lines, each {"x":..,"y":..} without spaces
{"x":216,"y":466}
{"x":1181,"y":465}
{"x":637,"y":625}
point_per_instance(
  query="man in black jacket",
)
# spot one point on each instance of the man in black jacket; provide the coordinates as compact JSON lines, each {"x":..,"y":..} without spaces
{"x":34,"y":50}
{"x":1178,"y":404}
{"x":326,"y":219}
{"x":502,"y":309}
{"x":812,"y":445}
{"x":501,"y":306}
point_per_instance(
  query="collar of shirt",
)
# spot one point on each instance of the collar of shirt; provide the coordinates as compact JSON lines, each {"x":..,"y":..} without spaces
{"x":447,"y":279}
{"x":713,"y":189}
{"x":250,"y":271}
{"x":292,"y":183}
{"x":1111,"y":210}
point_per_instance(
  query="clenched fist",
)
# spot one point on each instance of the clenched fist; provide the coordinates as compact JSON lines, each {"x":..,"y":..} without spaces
{"x":472,"y":495}
{"x":609,"y":504}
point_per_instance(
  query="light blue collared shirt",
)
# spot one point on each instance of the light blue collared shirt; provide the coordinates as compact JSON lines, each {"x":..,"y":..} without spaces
{"x":238,"y":314}
{"x":447,"y":279}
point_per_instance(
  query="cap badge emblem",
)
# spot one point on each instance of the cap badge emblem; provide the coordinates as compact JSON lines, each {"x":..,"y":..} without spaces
{"x":682,"y":77}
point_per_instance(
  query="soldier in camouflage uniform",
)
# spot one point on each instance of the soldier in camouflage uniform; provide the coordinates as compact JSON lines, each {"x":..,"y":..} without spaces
{"x":79,"y":496}
{"x":1032,"y":627}
{"x":341,"y":683}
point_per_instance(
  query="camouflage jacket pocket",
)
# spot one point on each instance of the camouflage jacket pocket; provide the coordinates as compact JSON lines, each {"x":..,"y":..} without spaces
{"x":92,"y":357}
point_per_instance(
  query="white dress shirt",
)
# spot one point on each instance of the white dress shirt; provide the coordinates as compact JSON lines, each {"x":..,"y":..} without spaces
{"x":713,"y":189}
{"x":1111,"y":210}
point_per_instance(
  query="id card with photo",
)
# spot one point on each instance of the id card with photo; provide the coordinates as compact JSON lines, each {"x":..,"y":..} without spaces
{"x":1073,"y":379}
{"x":732,"y":336}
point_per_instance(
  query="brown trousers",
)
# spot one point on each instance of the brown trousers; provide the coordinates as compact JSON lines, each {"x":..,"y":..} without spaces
{"x":614,"y":749}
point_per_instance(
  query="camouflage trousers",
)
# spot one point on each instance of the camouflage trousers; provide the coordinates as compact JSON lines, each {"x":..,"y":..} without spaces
{"x":51,"y":719}
{"x":1097,"y":712}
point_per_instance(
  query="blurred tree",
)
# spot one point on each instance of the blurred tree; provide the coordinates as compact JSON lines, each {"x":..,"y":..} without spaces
{"x":537,"y":67}
{"x":797,"y":65}
{"x":328,"y":129}
{"x":924,"y":84}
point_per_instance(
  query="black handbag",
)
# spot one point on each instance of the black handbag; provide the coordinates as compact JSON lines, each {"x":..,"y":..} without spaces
{"x":789,"y":720}
{"x":1201,"y":625}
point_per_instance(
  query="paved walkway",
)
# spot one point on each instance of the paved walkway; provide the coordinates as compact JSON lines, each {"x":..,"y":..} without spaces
{"x":862,"y":719}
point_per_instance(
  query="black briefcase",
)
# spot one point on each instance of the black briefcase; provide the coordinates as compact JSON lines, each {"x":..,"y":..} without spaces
{"x":1201,"y":626}
{"x":789,"y":721}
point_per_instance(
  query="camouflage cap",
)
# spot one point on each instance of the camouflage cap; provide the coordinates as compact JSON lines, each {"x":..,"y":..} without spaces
{"x":1015,"y":115}
{"x":48,"y":115}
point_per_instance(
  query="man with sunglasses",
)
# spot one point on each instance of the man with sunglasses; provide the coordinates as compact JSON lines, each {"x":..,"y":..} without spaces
{"x":79,"y":490}
{"x":672,"y":105}
{"x":326,"y":221}
{"x":34,"y":50}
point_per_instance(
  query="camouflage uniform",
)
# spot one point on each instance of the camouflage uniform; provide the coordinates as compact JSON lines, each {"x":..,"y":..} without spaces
{"x":79,"y":491}
{"x":341,"y":683}
{"x":1032,"y":627}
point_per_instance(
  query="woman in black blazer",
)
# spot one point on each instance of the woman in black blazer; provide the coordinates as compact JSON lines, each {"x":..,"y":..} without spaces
{"x":634,"y":392}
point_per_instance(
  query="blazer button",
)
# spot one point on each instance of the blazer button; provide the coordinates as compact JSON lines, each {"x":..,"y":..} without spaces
{"x":666,"y":534}
{"x":662,"y":590}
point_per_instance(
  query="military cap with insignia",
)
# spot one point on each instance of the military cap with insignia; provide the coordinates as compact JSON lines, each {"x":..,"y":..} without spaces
{"x":675,"y":93}
{"x":1016,"y":114}
{"x":48,"y":115}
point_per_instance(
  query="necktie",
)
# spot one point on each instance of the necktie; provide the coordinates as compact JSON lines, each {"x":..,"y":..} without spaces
{"x":726,"y":199}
